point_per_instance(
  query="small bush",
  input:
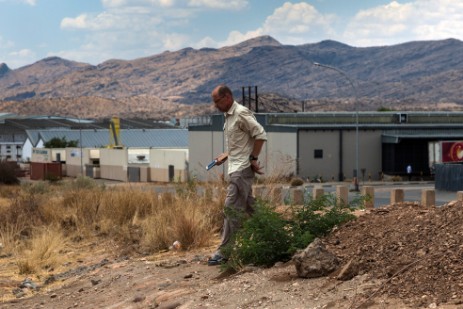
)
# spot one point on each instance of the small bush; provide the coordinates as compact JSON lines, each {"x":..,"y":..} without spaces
{"x":296,"y":182}
{"x":319,"y":216}
{"x":83,"y":182}
{"x":268,"y":237}
{"x":263,"y":239}
{"x":8,"y":173}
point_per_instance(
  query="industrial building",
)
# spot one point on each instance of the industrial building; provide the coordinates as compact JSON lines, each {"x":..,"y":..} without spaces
{"x":331,"y":145}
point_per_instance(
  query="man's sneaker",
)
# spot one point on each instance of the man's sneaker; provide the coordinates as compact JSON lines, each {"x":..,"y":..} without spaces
{"x":217,"y":259}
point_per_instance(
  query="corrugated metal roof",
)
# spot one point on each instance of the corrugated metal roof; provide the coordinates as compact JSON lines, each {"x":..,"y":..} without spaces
{"x":156,"y":138}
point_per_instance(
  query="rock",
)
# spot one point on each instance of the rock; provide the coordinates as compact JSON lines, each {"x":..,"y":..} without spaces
{"x":27,"y":283}
{"x":139,"y":298}
{"x":19,"y":293}
{"x":95,"y":281}
{"x":50,"y":279}
{"x":315,"y":261}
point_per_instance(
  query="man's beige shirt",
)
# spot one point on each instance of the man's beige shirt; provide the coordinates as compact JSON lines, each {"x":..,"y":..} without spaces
{"x":241,"y":130}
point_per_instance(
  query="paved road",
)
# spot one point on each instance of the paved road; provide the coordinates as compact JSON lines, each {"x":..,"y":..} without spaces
{"x":412,"y":191}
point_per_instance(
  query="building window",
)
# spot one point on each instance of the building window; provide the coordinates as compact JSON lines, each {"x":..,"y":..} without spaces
{"x":318,"y":154}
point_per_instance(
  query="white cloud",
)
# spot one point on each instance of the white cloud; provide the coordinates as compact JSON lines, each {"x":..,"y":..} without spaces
{"x":298,"y":23}
{"x":132,"y":3}
{"x":17,"y":58}
{"x":236,"y":37}
{"x":395,"y":23}
{"x":219,"y":4}
{"x":206,"y":42}
{"x":174,"y":41}
{"x":292,"y":23}
{"x":128,"y":29}
{"x":29,"y":2}
{"x":113,"y":3}
{"x":103,"y":21}
{"x":23,"y":53}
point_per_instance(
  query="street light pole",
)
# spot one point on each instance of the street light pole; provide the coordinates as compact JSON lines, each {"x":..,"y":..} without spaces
{"x":356,"y":120}
{"x":81,"y":153}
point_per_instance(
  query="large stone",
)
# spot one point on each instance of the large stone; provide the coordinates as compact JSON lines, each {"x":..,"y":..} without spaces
{"x":318,"y":192}
{"x":342,"y":195}
{"x":369,"y":193}
{"x":315,"y":261}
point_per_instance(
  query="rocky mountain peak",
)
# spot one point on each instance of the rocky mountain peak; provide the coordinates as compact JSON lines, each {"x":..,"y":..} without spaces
{"x":4,"y":69}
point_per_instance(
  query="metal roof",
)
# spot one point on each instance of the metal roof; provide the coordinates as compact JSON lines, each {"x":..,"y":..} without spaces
{"x":156,"y":138}
{"x":394,"y":136}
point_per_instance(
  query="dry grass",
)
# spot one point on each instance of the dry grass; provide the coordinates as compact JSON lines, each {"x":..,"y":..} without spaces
{"x":42,"y":251}
{"x":39,"y":220}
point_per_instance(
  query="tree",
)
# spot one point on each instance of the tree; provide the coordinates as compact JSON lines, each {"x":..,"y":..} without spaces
{"x":57,"y":142}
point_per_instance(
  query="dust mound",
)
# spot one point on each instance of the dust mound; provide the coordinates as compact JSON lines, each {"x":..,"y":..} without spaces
{"x":416,"y":251}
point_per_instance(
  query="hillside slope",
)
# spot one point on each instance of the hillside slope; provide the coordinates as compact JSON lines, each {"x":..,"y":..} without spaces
{"x":418,"y":72}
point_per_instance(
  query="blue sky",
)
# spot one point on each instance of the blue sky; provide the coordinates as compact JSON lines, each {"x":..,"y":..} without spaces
{"x":93,"y":31}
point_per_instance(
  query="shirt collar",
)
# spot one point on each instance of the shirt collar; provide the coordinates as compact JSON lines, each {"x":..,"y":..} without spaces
{"x":231,"y":110}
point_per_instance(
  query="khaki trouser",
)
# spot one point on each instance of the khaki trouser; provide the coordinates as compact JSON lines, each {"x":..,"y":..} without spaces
{"x":238,"y":203}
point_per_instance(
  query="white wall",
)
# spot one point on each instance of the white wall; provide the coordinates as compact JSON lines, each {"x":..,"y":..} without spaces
{"x":41,"y":155}
{"x":160,"y":159}
{"x":27,"y":150}
{"x":204,"y":147}
{"x":279,"y":154}
{"x":75,"y":163}
{"x":113,"y":164}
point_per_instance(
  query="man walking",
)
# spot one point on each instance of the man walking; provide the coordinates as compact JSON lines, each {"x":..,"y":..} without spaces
{"x":244,"y":138}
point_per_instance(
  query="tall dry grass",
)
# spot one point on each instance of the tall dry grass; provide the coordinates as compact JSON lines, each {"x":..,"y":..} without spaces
{"x":42,"y":252}
{"x":39,"y":219}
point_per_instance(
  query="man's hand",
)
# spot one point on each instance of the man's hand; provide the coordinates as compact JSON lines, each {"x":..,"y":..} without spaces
{"x":221,"y":158}
{"x":256,"y":167}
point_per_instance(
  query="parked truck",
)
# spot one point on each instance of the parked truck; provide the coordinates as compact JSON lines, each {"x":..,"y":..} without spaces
{"x":445,"y":152}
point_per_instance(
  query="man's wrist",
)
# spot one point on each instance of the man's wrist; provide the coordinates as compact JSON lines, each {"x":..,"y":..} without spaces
{"x":252,"y":158}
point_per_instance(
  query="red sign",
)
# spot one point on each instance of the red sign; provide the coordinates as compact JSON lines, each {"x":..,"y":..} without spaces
{"x":452,"y":151}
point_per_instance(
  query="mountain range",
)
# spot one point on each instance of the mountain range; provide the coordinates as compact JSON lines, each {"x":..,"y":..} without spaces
{"x":413,"y":75}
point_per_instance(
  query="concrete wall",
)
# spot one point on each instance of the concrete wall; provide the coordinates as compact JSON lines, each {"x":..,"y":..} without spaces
{"x":279,"y":155}
{"x":74,"y":164}
{"x":113,"y":164}
{"x":160,"y":159}
{"x":204,"y":147}
{"x":329,"y":141}
{"x":41,"y":155}
{"x":328,"y":165}
{"x":58,"y":152}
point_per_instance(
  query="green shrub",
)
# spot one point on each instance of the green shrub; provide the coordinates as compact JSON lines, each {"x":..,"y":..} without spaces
{"x":263,"y":239}
{"x":268,"y":236}
{"x":319,"y":216}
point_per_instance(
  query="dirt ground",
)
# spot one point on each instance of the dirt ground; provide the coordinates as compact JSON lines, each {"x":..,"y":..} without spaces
{"x":400,"y":256}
